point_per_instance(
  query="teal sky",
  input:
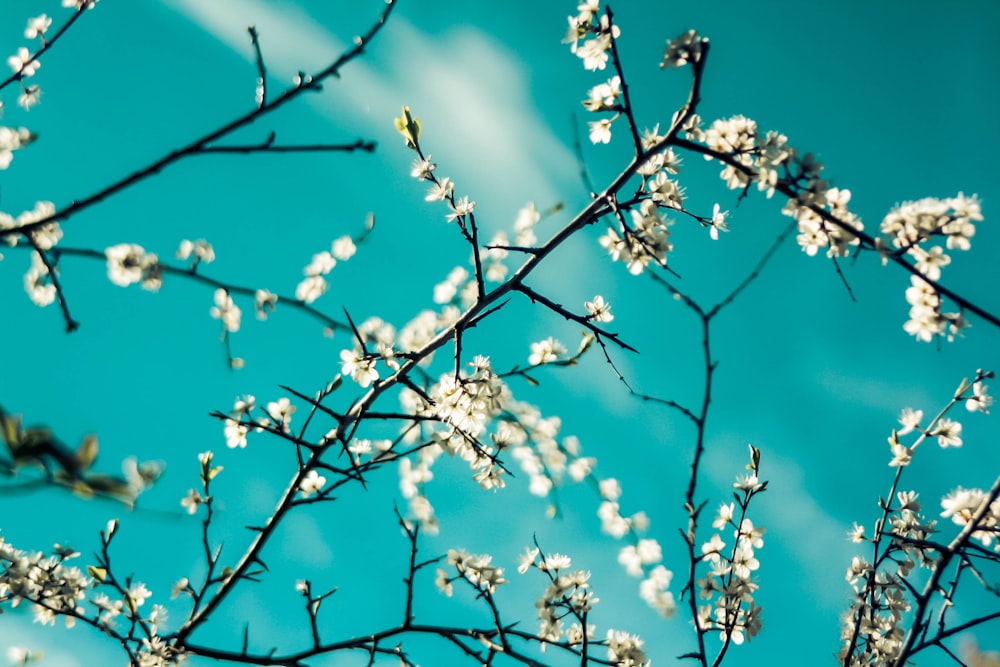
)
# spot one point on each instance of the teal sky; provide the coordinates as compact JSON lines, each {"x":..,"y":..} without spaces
{"x":897,"y":99}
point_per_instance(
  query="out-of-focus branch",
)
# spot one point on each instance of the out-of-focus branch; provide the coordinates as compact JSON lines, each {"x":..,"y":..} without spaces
{"x":307,"y":83}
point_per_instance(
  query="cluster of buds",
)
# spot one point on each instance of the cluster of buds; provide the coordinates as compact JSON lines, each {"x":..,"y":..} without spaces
{"x":729,"y":583}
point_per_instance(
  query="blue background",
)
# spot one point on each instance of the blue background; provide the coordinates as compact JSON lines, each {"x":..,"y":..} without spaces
{"x":897,"y":99}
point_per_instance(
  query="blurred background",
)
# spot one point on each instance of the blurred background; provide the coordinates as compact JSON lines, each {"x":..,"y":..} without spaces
{"x":898,"y":100}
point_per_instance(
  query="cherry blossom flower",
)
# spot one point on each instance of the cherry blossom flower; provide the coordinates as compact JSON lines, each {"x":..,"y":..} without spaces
{"x":281,"y":412}
{"x":23,"y":63}
{"x":599,"y":309}
{"x":29,"y":97}
{"x":712,"y":549}
{"x":80,"y":4}
{"x":625,"y":649}
{"x":422,"y":169}
{"x":201,"y":250}
{"x":191,"y":501}
{"x":600,"y":131}
{"x":948,"y":432}
{"x":235,"y":433}
{"x":47,"y":235}
{"x":37,"y":26}
{"x":460,"y":208}
{"x":225,"y":310}
{"x":129,"y":263}
{"x":604,"y":96}
{"x":137,"y":595}
{"x":594,"y":52}
{"x":929,"y":262}
{"x":477,"y":569}
{"x":440,"y":190}
{"x":910,"y":420}
{"x":358,"y":366}
{"x":310,"y":289}
{"x":311,"y":484}
{"x":344,"y":248}
{"x":264,"y":303}
{"x":546,"y":351}
{"x":724,"y":516}
{"x":718,"y":223}
{"x":856,"y":533}
{"x":980,"y":400}
{"x":610,"y":489}
{"x":901,"y":455}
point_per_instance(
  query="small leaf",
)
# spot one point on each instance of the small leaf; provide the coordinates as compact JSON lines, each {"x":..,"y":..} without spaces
{"x":409,"y":127}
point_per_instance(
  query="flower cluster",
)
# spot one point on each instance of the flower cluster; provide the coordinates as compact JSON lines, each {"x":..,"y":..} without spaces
{"x":685,"y":49}
{"x":358,"y":363}
{"x":643,"y":559}
{"x":625,"y":649}
{"x":207,"y":473}
{"x":612,"y":521}
{"x":52,"y":586}
{"x":647,"y":239}
{"x":412,"y":478}
{"x":767,"y":160}
{"x":909,"y":227}
{"x":155,"y":652}
{"x":226,"y":310}
{"x":534,"y":442}
{"x":729,"y":581}
{"x":239,"y":422}
{"x":948,"y":432}
{"x":44,"y":237}
{"x":24,"y":63}
{"x":546,"y":351}
{"x":524,"y":225}
{"x":597,"y":33}
{"x":962,"y":506}
{"x":129,"y":263}
{"x":494,"y":268}
{"x":873,"y":628}
{"x":38,"y":283}
{"x":57,"y":589}
{"x":467,"y":403}
{"x":454,"y":415}
{"x":198,"y":251}
{"x":478,"y":570}
{"x":825,"y":222}
{"x":568,"y":594}
{"x":456,"y":288}
{"x":314,"y":285}
{"x":12,"y":139}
